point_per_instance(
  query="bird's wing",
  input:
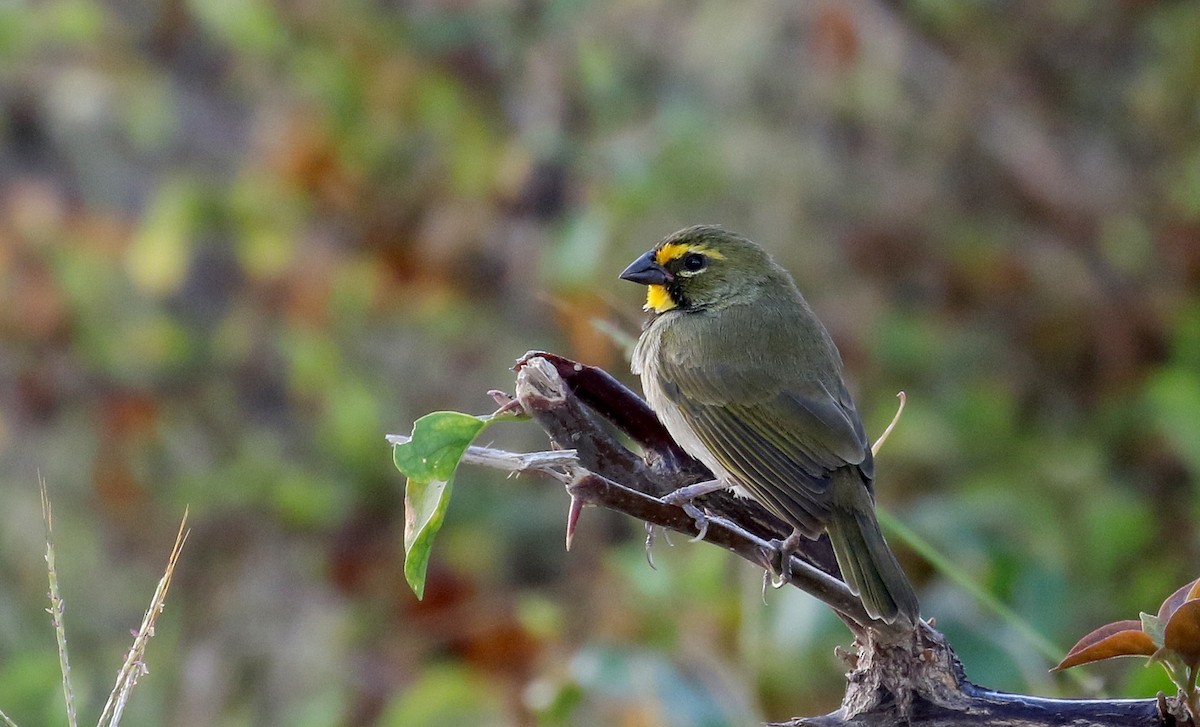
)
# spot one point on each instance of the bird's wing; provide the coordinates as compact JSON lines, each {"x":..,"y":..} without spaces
{"x":778,"y":435}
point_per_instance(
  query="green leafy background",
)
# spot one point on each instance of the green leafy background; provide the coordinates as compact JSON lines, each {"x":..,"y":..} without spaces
{"x":241,"y":241}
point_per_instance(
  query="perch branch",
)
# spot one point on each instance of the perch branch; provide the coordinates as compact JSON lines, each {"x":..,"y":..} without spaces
{"x":594,"y":489}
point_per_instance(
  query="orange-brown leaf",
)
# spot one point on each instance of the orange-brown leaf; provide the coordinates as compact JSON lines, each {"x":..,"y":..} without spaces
{"x":1121,"y":638}
{"x":1183,"y":632}
{"x":1176,"y":599}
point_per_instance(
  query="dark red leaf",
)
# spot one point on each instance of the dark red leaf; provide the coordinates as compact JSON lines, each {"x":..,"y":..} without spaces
{"x":1176,"y":599}
{"x":1121,"y":638}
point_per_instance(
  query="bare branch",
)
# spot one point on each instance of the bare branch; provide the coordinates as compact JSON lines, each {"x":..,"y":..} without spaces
{"x":547,"y":462}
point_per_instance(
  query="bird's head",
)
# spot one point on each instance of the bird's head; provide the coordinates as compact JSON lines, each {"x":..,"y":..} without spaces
{"x":702,"y":267}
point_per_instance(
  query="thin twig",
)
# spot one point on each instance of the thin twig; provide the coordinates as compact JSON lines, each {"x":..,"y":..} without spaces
{"x":511,"y":462}
{"x":57,"y":606}
{"x":7,"y":720}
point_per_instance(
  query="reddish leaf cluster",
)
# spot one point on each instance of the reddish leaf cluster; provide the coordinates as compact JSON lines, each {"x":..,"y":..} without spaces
{"x":1171,"y":636}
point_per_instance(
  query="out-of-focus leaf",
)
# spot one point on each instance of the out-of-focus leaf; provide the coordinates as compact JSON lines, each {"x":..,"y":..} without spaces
{"x":1182,"y":634}
{"x":443,"y":697}
{"x":74,"y":21}
{"x":1121,"y":638}
{"x":640,"y":683}
{"x":160,"y":253}
{"x":249,"y":27}
{"x":352,"y":416}
{"x":1174,"y":397}
{"x":1113,"y":528}
{"x":429,"y":460}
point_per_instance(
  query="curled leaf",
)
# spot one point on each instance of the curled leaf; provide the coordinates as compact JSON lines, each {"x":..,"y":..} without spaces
{"x":425,"y":503}
{"x":1121,"y":638}
{"x":438,"y":442}
{"x":1182,"y":634}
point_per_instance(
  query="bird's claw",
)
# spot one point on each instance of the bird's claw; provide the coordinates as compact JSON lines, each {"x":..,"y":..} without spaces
{"x":650,"y":545}
{"x":699,"y":518}
{"x":781,"y":577}
{"x":683,"y":500}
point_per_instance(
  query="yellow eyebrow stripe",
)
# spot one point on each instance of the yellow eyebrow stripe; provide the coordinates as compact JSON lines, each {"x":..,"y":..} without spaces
{"x":675,"y":250}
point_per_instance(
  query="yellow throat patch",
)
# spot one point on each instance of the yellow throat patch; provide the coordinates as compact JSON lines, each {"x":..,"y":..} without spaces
{"x":658,"y":299}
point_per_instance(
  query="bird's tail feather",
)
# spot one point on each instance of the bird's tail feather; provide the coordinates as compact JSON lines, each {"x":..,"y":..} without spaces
{"x":870,"y":568}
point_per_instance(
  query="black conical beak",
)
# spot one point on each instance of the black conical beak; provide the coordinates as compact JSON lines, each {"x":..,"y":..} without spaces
{"x":646,"y":271}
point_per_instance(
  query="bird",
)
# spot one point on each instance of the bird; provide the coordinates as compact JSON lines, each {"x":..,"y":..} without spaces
{"x":747,"y":380}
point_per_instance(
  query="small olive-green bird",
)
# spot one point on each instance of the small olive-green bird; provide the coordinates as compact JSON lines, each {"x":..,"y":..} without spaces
{"x":748,"y":381}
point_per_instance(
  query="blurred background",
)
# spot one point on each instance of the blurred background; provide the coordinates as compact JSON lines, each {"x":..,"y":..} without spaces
{"x":241,"y":240}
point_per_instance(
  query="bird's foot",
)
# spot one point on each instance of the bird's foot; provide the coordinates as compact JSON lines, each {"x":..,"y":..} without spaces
{"x":784,"y":550}
{"x":684,"y":496}
{"x":651,"y":536}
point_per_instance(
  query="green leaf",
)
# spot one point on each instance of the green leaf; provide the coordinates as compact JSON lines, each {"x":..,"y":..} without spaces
{"x":1154,"y":628}
{"x":429,"y":460}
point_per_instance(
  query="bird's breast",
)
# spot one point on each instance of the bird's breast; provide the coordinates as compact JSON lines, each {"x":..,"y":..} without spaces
{"x":646,"y":363}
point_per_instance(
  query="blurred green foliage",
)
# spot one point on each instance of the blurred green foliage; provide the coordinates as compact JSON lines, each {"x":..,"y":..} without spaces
{"x":240,"y":241}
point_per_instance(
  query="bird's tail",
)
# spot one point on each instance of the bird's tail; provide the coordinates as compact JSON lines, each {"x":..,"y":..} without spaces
{"x":868,"y":565}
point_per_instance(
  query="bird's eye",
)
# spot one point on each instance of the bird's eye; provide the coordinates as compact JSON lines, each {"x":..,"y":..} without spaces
{"x":694,"y":261}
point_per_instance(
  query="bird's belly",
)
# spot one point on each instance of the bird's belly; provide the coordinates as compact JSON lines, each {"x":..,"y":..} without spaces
{"x":683,"y":434}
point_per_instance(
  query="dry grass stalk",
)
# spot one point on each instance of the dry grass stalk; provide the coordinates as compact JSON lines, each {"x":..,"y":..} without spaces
{"x":56,"y":607}
{"x":134,"y":666}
